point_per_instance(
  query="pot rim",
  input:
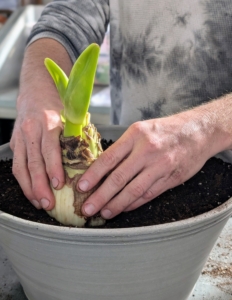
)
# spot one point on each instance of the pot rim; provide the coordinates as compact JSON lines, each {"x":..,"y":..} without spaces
{"x":156,"y":232}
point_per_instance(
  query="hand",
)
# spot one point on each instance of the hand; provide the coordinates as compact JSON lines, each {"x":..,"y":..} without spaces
{"x":150,"y":158}
{"x":37,"y":161}
{"x":35,"y":143}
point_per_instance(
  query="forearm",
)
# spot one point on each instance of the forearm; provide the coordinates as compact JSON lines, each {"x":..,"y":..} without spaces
{"x":34,"y":78}
{"x":213,"y":123}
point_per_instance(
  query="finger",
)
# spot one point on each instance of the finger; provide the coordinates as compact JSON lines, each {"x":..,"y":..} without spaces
{"x":20,"y":171}
{"x":51,"y":152}
{"x":160,"y":186}
{"x":107,"y":161}
{"x":153,"y":192}
{"x":36,"y":166}
{"x":113,"y":184}
{"x":135,"y":190}
{"x":40,"y":183}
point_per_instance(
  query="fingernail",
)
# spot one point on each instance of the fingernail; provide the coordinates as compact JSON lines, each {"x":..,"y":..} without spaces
{"x":36,"y":204}
{"x":55,"y":182}
{"x":89,"y":209}
{"x":45,"y":203}
{"x":83,"y":185}
{"x":106,"y":213}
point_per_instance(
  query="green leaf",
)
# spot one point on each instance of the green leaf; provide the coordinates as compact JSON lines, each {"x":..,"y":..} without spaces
{"x":80,"y":85}
{"x":59,"y":77}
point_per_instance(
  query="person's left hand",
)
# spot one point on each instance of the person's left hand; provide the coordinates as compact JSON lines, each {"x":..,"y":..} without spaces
{"x":150,"y":157}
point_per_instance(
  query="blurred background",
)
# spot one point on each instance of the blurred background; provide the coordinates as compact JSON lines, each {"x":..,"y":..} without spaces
{"x":17,"y":18}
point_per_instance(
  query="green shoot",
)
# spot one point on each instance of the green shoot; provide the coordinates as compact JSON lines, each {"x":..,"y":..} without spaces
{"x":75,"y":92}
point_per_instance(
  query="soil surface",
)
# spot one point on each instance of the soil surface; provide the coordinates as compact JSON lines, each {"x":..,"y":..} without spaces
{"x":209,"y":188}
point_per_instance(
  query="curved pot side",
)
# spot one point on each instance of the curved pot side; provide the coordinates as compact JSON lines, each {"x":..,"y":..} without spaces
{"x":154,"y":262}
{"x":115,"y":266}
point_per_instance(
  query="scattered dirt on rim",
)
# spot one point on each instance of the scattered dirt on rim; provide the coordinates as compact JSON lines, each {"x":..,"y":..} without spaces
{"x":209,"y":188}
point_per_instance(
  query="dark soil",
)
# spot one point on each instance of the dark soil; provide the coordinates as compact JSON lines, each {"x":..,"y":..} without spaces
{"x":209,"y":188}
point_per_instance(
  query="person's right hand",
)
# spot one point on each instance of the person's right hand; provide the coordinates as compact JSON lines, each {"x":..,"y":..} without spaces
{"x":37,"y":155}
{"x":37,"y":161}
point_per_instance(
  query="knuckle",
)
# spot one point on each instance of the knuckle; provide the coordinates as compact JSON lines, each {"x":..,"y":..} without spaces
{"x":108,"y":158}
{"x":148,"y":195}
{"x":137,"y":191}
{"x":27,"y":125}
{"x":151,"y":145}
{"x":118,"y":178}
{"x":33,"y":165}
{"x":155,"y":142}
{"x":138,"y":127}
{"x":177,"y":175}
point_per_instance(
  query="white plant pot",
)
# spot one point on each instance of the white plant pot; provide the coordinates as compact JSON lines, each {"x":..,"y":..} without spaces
{"x":159,"y":262}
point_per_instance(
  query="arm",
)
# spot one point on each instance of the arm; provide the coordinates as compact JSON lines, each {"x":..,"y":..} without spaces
{"x":63,"y":31}
{"x":156,"y":155}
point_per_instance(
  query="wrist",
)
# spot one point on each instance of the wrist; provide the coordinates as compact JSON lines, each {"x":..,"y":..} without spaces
{"x":214,"y":121}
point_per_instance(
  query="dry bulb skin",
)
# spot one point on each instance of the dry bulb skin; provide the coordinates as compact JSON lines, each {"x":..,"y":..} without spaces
{"x":77,"y":157}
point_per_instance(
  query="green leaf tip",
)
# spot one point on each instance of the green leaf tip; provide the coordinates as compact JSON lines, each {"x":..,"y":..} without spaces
{"x":59,"y":77}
